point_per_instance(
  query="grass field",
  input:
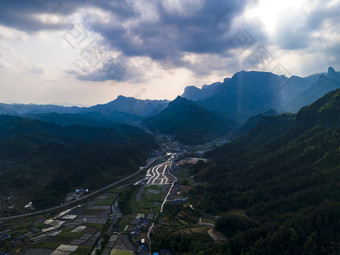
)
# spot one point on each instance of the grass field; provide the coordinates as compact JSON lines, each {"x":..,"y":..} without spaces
{"x":126,"y":219}
{"x":40,"y":225}
{"x":20,"y":227}
{"x":121,"y":252}
{"x":133,"y":203}
{"x":95,"y":225}
{"x":82,"y":250}
{"x":107,"y":201}
{"x":116,"y":191}
{"x":157,"y":187}
{"x":46,"y":245}
{"x":66,"y":233}
{"x":148,"y":199}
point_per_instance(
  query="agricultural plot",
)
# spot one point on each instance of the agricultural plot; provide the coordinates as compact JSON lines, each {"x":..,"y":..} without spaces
{"x":74,"y":231}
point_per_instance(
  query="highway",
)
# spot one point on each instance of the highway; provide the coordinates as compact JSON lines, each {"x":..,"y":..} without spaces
{"x":159,"y":175}
{"x":82,"y":198}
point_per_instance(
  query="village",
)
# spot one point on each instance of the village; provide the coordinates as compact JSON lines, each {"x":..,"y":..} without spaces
{"x":121,"y":220}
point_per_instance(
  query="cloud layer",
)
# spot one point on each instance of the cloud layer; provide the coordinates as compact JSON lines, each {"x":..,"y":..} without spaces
{"x":141,"y":41}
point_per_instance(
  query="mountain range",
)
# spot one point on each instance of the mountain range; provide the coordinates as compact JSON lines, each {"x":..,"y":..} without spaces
{"x":130,"y":105}
{"x":122,"y":104}
{"x":127,"y":110}
{"x":249,"y":93}
{"x":235,"y":100}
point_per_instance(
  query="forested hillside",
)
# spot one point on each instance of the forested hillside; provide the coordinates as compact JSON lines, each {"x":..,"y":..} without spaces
{"x":281,"y":195}
{"x":41,"y":161}
{"x":189,"y":122}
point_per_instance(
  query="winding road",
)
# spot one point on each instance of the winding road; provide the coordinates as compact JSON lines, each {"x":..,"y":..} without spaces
{"x":82,"y":198}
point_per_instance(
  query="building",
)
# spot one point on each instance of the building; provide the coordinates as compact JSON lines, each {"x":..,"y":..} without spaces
{"x":82,"y":191}
{"x":29,"y":206}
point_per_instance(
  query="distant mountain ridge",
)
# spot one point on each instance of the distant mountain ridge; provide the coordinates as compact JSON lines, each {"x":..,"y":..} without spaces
{"x":193,"y":93}
{"x":324,"y":84}
{"x":240,"y":97}
{"x":18,"y":109}
{"x":127,"y":110}
{"x":249,"y":93}
{"x":244,"y":95}
{"x":144,"y":108}
{"x":120,"y":104}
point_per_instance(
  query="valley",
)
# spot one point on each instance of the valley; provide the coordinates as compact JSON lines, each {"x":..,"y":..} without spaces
{"x":169,"y":127}
{"x":121,"y":218}
{"x":182,"y":178}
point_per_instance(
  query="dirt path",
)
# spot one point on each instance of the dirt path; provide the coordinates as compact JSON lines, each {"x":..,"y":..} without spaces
{"x":139,"y":194}
{"x":216,"y":235}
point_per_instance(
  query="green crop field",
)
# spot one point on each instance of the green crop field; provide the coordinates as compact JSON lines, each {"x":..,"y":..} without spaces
{"x":121,"y":252}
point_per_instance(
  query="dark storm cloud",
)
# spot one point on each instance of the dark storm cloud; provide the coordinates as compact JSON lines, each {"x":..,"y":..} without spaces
{"x":322,"y":14}
{"x":207,"y":29}
{"x":175,"y":32}
{"x":296,"y":31}
{"x":22,"y":14}
{"x":172,"y":34}
{"x":111,"y":71}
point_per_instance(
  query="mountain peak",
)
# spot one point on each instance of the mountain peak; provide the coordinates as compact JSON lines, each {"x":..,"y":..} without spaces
{"x":120,"y":97}
{"x":189,"y":122}
{"x":331,"y":70}
{"x":195,"y":93}
{"x":180,"y":101}
{"x":331,"y":73}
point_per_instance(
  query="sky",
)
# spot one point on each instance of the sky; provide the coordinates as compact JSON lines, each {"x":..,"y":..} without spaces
{"x":86,"y":52}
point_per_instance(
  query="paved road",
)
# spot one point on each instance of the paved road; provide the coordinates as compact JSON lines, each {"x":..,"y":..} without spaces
{"x":148,"y":236}
{"x":159,"y":174}
{"x":82,"y":198}
{"x":174,"y":179}
{"x":167,"y":195}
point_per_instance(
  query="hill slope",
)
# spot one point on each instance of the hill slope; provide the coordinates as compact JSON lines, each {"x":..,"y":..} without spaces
{"x":281,"y":194}
{"x":189,"y":122}
{"x":95,"y":119}
{"x":41,"y":161}
{"x":252,"y":122}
